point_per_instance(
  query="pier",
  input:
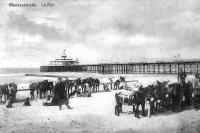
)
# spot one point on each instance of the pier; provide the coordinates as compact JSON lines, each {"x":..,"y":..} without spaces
{"x":158,"y":67}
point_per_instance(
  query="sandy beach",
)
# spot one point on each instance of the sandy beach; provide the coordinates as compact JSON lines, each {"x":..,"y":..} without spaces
{"x":94,"y":114}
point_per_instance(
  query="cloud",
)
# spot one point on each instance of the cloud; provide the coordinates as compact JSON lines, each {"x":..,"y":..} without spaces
{"x":22,"y":24}
{"x":99,"y":29}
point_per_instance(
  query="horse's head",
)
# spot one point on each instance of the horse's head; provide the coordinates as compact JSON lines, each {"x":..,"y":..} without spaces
{"x":122,"y":79}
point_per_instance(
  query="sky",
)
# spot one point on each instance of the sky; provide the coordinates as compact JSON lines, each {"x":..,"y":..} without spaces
{"x":96,"y":31}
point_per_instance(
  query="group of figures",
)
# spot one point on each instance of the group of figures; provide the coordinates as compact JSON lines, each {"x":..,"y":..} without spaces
{"x":60,"y":93}
{"x":161,"y":96}
{"x":112,"y":83}
{"x":8,"y":93}
{"x":45,"y":88}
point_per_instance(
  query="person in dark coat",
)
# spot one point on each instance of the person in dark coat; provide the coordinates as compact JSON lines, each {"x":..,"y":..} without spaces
{"x":60,"y":94}
{"x":181,"y":79}
{"x":27,"y":102}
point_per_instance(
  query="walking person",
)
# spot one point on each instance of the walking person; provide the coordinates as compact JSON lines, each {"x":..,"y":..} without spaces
{"x":60,"y":94}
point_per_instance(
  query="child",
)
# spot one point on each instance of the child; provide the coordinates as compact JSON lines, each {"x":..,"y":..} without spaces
{"x":27,"y":102}
{"x":9,"y":103}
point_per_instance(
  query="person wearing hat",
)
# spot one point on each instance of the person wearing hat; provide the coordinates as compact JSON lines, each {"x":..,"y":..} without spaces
{"x":60,"y":94}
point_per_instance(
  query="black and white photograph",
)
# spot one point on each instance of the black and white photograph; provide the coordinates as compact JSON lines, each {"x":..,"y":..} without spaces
{"x":100,"y":66}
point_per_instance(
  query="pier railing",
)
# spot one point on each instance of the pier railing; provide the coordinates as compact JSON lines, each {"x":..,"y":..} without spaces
{"x":159,"y":67}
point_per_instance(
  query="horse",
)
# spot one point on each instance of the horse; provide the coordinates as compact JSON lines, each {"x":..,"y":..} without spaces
{"x":33,"y":87}
{"x":106,"y":82}
{"x":77,"y":83}
{"x":69,"y":84}
{"x":117,"y":81}
{"x":161,"y":97}
{"x":4,"y":92}
{"x":45,"y":86}
{"x":92,"y":82}
{"x":96,"y":83}
{"x":158,"y":96}
{"x":135,"y":99}
{"x":1,"y":93}
{"x":13,"y":90}
{"x":188,"y":93}
{"x":175,"y":93}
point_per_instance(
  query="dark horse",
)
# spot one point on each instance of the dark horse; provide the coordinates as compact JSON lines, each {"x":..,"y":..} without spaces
{"x":45,"y":86}
{"x":177,"y":92}
{"x":93,"y":83}
{"x":8,"y":90}
{"x":117,"y":82}
{"x":33,"y":87}
{"x":158,"y":96}
{"x":135,"y":100}
{"x":4,"y":91}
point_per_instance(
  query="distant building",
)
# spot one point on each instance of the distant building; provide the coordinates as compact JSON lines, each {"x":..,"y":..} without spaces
{"x":64,"y":61}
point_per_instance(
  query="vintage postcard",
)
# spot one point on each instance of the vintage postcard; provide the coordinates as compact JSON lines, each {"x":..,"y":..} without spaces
{"x":99,"y":66}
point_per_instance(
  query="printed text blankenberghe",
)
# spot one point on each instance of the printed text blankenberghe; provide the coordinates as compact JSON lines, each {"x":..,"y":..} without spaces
{"x":22,"y":5}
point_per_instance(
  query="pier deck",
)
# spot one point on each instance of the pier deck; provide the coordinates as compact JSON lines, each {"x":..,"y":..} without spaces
{"x":159,"y":67}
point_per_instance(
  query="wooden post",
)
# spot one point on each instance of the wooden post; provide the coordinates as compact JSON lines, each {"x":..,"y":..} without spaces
{"x":143,"y":69}
{"x":178,"y":67}
{"x":154,"y":69}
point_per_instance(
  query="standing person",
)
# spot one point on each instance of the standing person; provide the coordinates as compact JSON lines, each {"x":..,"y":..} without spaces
{"x":181,"y":79}
{"x":60,"y":94}
{"x":67,"y":85}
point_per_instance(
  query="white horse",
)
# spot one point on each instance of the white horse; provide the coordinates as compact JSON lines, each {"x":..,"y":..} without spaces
{"x":106,"y":82}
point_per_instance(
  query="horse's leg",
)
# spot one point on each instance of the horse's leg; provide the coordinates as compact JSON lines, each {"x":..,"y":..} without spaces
{"x":34,"y":94}
{"x":121,"y":111}
{"x":37,"y":93}
{"x":6,"y":97}
{"x":133,"y":108}
{"x":137,"y":111}
{"x":95,"y":88}
{"x":40,"y":94}
{"x":116,"y":110}
{"x":71,"y":89}
{"x":156,"y":108}
{"x":82,"y":88}
{"x":143,"y":108}
{"x":151,"y":107}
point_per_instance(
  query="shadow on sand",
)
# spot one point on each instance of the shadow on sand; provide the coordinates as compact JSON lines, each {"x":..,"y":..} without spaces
{"x":161,"y":113}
